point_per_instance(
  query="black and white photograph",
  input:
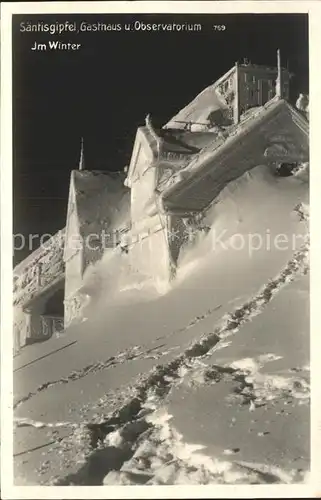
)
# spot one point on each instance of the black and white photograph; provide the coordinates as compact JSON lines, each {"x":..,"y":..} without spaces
{"x":160,"y":332}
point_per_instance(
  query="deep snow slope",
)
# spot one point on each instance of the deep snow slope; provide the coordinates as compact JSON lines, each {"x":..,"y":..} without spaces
{"x":205,"y":382}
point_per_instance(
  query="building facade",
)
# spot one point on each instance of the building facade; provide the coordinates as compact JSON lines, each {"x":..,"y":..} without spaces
{"x":246,"y":86}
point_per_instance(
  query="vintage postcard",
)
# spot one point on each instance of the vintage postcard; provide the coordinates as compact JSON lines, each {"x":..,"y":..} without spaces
{"x":159,"y":197}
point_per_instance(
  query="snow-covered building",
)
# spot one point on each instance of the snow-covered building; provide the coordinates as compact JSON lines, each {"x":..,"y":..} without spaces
{"x":175,"y":173}
{"x":242,"y":87}
{"x":97,"y":215}
{"x":38,"y":292}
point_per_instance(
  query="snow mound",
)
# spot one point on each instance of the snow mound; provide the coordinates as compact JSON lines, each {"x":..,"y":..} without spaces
{"x":248,"y":217}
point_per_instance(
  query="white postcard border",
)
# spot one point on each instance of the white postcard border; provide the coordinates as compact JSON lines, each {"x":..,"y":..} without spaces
{"x":9,"y":491}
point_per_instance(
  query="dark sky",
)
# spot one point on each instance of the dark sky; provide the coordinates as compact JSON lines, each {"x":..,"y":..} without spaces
{"x":104,"y":91}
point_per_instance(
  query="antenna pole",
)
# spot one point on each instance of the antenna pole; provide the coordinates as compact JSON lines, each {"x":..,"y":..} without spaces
{"x":82,"y":157}
{"x":279,"y":77}
{"x":236,"y":110}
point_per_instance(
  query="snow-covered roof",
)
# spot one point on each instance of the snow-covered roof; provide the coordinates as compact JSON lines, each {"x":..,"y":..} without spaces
{"x":247,"y":145}
{"x":102,"y":200}
{"x":184,"y":141}
{"x":209,"y":101}
{"x":33,"y":258}
{"x":198,"y":110}
{"x":178,"y":141}
{"x":168,"y":144}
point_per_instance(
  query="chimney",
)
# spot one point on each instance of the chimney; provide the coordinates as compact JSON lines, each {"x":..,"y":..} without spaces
{"x":82,"y":156}
{"x":279,"y":82}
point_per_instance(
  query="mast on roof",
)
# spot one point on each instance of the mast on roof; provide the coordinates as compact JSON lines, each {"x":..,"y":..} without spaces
{"x":82,"y":156}
{"x":236,"y":107}
{"x":279,"y":77}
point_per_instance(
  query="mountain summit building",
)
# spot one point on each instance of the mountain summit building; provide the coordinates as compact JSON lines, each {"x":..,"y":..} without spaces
{"x":146,"y":213}
{"x":243,"y":87}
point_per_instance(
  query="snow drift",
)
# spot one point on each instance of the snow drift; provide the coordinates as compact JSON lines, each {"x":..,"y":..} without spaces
{"x":135,"y":342}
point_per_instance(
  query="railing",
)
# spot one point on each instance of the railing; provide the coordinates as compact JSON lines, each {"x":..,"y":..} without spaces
{"x":51,"y":325}
{"x":46,"y":268}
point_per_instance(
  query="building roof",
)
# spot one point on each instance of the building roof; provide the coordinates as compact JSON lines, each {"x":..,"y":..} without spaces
{"x":184,"y":141}
{"x":33,"y":258}
{"x":102,"y":200}
{"x":198,"y":110}
{"x":209,"y":101}
{"x":169,"y":145}
{"x":275,"y":132}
